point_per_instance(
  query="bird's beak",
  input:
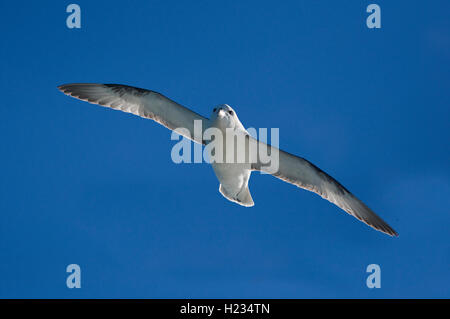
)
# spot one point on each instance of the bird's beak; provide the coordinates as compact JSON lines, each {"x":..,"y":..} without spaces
{"x":221,"y":113}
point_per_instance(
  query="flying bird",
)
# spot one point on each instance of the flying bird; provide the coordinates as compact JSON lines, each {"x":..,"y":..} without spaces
{"x":233,"y":177}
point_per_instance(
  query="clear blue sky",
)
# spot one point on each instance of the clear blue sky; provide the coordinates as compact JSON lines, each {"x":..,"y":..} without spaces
{"x":87,"y":185}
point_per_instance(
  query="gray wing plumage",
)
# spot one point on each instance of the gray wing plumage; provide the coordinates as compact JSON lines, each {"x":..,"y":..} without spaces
{"x":300,"y":172}
{"x":145,"y":103}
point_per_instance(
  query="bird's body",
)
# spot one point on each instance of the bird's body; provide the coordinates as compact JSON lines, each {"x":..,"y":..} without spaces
{"x":233,"y":175}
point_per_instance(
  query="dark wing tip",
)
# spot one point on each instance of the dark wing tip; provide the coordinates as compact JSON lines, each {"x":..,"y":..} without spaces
{"x":65,"y":88}
{"x":74,"y":85}
{"x":367,"y":216}
{"x":68,"y":88}
{"x":119,"y":89}
{"x":380,"y":225}
{"x":388,"y":231}
{"x":392,"y":232}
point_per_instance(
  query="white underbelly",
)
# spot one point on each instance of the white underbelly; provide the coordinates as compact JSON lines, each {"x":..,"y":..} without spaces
{"x":233,"y":177}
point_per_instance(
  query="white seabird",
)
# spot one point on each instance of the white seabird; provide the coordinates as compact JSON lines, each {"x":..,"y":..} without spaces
{"x":233,"y":177}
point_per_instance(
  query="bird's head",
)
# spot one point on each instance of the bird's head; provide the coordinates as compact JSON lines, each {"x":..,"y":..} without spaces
{"x":224,"y":117}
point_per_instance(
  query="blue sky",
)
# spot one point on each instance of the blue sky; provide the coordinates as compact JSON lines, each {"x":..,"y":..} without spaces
{"x":87,"y":185}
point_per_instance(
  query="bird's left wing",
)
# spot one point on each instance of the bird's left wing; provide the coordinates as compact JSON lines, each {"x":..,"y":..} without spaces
{"x":302,"y":173}
{"x":145,"y":103}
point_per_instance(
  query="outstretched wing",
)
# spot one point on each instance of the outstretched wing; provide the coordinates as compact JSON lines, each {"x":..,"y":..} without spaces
{"x":141,"y":102}
{"x":302,"y":173}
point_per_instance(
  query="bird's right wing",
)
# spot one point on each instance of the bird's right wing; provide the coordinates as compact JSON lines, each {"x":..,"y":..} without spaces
{"x":141,"y":102}
{"x":300,"y":172}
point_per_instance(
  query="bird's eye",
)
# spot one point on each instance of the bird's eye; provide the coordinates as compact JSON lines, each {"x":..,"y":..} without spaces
{"x":214,"y":110}
{"x":230,"y":112}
